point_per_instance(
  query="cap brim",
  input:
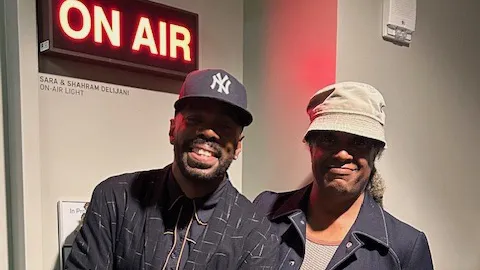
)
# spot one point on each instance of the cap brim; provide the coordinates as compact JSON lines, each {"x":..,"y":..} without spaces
{"x":244,"y":117}
{"x":350,"y":123}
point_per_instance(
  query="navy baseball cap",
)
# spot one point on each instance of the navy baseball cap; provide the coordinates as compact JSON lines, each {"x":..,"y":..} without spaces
{"x":219,"y":85}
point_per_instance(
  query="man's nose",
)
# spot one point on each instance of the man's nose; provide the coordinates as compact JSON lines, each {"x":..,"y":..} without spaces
{"x":209,"y":133}
{"x":343,"y":155}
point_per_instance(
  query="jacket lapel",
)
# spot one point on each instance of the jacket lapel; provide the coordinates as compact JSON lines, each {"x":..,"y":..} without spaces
{"x":370,"y":224}
{"x":293,"y":209}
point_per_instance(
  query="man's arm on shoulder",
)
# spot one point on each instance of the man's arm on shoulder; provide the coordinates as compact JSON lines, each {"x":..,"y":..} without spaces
{"x":421,"y":257}
{"x":93,"y":245}
{"x":261,"y":248}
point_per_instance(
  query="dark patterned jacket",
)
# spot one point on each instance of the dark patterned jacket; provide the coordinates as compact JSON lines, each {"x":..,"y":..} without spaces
{"x":377,"y":240}
{"x":124,"y":226}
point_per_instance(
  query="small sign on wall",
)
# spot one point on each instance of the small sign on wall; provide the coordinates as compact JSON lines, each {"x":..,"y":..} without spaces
{"x":70,"y":216}
{"x":138,"y":34}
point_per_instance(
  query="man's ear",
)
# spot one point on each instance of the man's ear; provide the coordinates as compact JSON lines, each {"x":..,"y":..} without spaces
{"x":171,"y":130}
{"x":239,"y":147}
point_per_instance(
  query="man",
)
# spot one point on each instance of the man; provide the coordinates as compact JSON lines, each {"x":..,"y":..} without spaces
{"x":186,"y":215}
{"x":334,"y":223}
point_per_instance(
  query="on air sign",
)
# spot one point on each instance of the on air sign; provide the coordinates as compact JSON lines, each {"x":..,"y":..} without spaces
{"x":131,"y":33}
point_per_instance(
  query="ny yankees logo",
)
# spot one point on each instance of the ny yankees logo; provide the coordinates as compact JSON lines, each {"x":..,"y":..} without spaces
{"x":223,"y":83}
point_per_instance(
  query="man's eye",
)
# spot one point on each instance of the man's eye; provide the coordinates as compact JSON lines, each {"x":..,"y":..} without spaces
{"x":325,"y":140}
{"x":360,"y":143}
{"x":225,"y":126}
{"x":192,"y":120}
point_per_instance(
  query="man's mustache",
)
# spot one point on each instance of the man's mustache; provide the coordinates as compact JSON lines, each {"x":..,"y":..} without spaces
{"x":199,"y":140}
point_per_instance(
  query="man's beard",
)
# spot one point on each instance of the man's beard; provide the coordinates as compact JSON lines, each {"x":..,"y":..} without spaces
{"x":194,"y":170}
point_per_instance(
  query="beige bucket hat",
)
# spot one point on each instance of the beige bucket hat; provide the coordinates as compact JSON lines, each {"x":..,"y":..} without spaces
{"x":351,"y":107}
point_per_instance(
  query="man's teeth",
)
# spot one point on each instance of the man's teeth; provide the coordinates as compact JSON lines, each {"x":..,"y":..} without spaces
{"x":204,"y":153}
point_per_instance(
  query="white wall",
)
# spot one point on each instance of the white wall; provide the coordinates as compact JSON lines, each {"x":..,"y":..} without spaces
{"x":433,"y":104}
{"x":431,"y":90}
{"x":286,"y":61}
{"x":77,"y":141}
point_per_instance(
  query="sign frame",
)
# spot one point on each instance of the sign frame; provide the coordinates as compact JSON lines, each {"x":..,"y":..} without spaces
{"x":48,"y":46}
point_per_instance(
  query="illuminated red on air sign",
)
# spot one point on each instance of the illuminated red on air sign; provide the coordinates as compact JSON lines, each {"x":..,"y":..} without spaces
{"x":131,"y":33}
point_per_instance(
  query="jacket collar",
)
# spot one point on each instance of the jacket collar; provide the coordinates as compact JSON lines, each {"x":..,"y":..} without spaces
{"x":203,"y":206}
{"x":295,"y":202}
{"x":370,"y":221}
